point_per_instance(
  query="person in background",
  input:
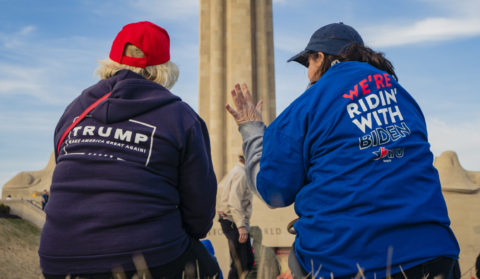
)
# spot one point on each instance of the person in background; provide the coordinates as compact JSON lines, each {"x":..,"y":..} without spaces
{"x":477,"y":267}
{"x":352,"y":153}
{"x":134,"y":175}
{"x":45,"y":197}
{"x":266,"y":264}
{"x":235,"y":210}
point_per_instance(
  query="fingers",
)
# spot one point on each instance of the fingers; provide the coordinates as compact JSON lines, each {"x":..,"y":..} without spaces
{"x":239,"y":97}
{"x":242,"y":234}
{"x":236,"y":100}
{"x":245,"y":110}
{"x":241,"y":93}
{"x":259,"y":106}
{"x":246,"y":92}
{"x":231,"y":111}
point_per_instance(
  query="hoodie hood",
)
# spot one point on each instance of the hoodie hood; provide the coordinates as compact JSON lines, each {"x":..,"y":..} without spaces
{"x":131,"y":95}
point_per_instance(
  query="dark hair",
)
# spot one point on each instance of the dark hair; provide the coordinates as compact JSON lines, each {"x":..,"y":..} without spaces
{"x":241,"y":159}
{"x":357,"y":52}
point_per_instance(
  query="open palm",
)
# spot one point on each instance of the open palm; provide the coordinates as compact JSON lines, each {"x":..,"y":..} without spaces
{"x":245,"y":110}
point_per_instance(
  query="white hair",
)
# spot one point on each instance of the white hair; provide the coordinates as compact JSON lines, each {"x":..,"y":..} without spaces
{"x":165,"y":74}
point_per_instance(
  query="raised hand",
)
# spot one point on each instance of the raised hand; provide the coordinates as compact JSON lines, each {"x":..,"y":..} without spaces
{"x":245,"y":110}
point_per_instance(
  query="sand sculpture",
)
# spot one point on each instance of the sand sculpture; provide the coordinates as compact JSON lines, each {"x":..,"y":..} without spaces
{"x":461,"y":189}
{"x":28,"y":185}
{"x":454,"y":178}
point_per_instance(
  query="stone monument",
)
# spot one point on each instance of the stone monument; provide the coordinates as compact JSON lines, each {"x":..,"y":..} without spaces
{"x":236,"y":46}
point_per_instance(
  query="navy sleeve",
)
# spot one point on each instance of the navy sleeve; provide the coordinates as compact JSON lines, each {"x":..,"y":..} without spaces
{"x":56,"y":138}
{"x":64,"y":122}
{"x":197,"y":182}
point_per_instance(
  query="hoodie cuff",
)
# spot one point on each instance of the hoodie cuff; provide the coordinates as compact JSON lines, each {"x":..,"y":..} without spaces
{"x":252,"y":129}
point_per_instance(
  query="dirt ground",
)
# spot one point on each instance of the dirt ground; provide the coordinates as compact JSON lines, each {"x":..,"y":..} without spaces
{"x":19,"y":242}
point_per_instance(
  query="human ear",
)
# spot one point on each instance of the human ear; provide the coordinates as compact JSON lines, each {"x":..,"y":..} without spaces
{"x":321,"y":57}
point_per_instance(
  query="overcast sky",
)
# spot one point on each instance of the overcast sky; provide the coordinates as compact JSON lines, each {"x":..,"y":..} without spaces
{"x":49,"y":50}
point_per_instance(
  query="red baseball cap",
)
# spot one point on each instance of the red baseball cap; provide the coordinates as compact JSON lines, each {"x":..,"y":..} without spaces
{"x":151,"y":39}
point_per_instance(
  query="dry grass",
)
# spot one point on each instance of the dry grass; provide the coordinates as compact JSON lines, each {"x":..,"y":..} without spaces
{"x":19,"y":242}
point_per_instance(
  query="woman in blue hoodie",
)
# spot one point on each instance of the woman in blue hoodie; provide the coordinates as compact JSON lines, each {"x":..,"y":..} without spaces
{"x":352,"y":153}
{"x":134,"y":181}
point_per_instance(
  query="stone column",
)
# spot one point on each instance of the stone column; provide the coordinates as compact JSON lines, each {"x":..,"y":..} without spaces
{"x":236,"y":45}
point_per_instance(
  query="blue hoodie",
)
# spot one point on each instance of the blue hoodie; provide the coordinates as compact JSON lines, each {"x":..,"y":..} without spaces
{"x":353,"y":155}
{"x":133,"y":177}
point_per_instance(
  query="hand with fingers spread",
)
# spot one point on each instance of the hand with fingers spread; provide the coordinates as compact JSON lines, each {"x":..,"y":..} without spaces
{"x":245,"y":108}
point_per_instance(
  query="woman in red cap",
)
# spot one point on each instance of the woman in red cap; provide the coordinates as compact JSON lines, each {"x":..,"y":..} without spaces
{"x":352,"y":153}
{"x":134,"y":188}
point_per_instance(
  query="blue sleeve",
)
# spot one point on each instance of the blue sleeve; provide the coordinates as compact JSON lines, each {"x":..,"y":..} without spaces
{"x":197,"y":183}
{"x":282,"y":172}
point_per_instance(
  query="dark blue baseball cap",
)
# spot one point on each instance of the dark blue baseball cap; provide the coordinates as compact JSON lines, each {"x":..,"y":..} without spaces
{"x":329,"y":39}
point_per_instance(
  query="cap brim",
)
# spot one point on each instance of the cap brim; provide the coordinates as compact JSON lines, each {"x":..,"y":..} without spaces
{"x":301,"y":57}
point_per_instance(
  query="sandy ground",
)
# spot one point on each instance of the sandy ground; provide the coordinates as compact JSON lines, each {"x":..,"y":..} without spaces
{"x":18,"y":249}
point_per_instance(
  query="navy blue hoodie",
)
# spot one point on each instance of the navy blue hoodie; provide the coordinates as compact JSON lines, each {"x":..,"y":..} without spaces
{"x":134,"y":177}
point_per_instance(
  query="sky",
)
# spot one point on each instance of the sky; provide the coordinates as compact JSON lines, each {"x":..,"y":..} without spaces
{"x":49,"y":51}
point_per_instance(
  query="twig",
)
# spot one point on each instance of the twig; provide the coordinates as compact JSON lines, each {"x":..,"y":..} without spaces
{"x":403,"y":272}
{"x":389,"y":262}
{"x":360,"y":272}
